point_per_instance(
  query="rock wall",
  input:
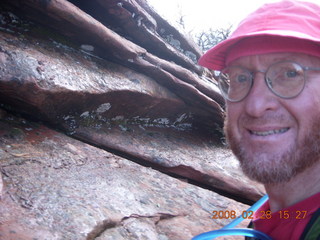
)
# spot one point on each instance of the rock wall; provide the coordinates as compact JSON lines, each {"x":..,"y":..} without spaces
{"x":107,"y":128}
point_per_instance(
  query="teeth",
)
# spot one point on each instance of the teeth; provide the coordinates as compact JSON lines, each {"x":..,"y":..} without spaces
{"x":282,"y":130}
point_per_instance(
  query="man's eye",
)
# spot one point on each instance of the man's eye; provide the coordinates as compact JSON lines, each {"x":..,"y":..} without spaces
{"x":291,"y":74}
{"x":242,"y":78}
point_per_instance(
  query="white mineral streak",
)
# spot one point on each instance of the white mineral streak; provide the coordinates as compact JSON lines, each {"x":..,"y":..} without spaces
{"x":87,"y":47}
{"x":103,"y":108}
{"x":85,"y":114}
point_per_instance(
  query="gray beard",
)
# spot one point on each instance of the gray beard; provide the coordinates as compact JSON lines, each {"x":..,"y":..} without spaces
{"x":275,"y":168}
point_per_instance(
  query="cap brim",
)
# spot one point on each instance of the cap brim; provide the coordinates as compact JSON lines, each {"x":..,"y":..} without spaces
{"x":215,"y":57}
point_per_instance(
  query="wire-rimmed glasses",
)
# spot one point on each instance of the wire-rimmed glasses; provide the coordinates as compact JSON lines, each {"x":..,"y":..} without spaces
{"x":285,"y":79}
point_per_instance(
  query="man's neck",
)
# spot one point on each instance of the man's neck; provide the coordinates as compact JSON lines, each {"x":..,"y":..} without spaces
{"x":301,"y":187}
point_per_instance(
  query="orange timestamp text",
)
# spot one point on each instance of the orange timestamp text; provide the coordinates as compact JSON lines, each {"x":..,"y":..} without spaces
{"x":232,"y":214}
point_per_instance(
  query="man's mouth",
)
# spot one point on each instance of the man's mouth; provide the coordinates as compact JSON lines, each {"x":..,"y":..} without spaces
{"x":270,"y":132}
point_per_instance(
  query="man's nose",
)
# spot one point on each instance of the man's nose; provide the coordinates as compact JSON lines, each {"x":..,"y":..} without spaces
{"x":260,"y":98}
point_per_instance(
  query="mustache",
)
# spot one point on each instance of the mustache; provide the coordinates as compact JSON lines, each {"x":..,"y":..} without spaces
{"x":265,"y":119}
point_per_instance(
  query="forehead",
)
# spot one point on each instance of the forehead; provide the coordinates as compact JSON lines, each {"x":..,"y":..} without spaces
{"x":270,"y":58}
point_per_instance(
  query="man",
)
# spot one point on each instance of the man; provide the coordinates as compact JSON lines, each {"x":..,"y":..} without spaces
{"x":270,"y":77}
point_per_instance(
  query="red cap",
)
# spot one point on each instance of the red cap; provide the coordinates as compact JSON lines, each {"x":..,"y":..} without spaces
{"x":286,"y":26}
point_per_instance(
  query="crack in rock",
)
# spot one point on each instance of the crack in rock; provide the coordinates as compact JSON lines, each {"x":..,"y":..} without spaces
{"x":159,"y":216}
{"x":105,"y":225}
{"x":101,"y":227}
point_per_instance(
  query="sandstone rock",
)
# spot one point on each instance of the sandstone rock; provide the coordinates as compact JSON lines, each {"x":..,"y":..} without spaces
{"x":180,"y":151}
{"x":52,"y":81}
{"x":60,"y":188}
{"x":1,"y":185}
{"x":117,"y":79}
{"x":69,"y":20}
{"x":120,"y":110}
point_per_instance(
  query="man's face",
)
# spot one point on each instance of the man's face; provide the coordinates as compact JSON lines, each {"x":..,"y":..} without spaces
{"x":274,"y":138}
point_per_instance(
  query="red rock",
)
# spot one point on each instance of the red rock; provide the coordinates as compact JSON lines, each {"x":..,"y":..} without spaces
{"x":150,"y":127}
{"x":59,"y":188}
{"x":121,"y":110}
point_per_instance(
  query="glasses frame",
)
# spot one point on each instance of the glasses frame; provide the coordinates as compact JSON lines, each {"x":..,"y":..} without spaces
{"x":267,"y":81}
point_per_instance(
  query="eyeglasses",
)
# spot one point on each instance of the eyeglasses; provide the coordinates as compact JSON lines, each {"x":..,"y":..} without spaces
{"x":285,"y":79}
